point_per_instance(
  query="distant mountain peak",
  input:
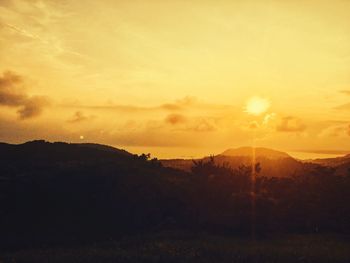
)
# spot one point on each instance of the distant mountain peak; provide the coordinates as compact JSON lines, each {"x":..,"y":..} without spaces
{"x":259,"y":151}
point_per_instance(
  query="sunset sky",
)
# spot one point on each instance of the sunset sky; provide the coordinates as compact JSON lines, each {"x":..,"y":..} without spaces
{"x":174,"y":78}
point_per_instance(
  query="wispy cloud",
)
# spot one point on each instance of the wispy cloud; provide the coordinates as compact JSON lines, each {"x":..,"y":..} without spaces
{"x":185,"y":103}
{"x":345,"y":106}
{"x":48,"y":43}
{"x":22,"y":32}
{"x":339,"y":130}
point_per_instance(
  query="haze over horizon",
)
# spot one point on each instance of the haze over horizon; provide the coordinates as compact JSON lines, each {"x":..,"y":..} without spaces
{"x":177,"y":78}
{"x":233,"y":151}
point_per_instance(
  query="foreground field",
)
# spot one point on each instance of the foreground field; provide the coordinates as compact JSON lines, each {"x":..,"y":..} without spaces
{"x":170,"y":247}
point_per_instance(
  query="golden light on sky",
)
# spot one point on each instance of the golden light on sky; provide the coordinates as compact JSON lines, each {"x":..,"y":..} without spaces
{"x":257,"y":105}
{"x":171,"y":77}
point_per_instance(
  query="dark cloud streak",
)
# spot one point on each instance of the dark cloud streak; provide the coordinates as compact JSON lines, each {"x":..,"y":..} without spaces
{"x":346,"y":92}
{"x":11,"y":95}
{"x":179,"y":105}
{"x":79,"y":117}
{"x":174,"y":119}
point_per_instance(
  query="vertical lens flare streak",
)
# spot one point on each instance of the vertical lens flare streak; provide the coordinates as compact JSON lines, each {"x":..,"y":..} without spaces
{"x":255,"y":106}
{"x":253,"y":190}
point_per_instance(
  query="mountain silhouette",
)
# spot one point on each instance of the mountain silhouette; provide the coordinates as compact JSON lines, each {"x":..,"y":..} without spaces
{"x":259,"y":152}
{"x":273,"y":163}
{"x":58,"y":191}
{"x":40,"y":150}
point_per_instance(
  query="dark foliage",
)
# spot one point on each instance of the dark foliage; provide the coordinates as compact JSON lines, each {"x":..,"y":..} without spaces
{"x":59,"y":193}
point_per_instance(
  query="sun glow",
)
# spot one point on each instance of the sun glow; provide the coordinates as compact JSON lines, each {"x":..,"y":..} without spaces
{"x":257,"y":106}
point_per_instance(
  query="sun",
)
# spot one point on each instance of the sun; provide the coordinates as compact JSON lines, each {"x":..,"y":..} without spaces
{"x":257,"y":106}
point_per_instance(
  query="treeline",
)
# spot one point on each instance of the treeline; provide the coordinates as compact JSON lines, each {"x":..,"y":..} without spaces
{"x":308,"y":203}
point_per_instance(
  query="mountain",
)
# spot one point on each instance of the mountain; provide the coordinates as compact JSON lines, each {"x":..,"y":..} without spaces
{"x":273,"y":163}
{"x":259,"y":152}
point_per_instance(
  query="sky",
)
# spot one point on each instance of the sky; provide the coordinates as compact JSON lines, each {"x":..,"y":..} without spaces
{"x":175,"y":78}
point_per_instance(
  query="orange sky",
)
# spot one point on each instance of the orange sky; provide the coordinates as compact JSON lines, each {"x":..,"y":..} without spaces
{"x":173,"y":78}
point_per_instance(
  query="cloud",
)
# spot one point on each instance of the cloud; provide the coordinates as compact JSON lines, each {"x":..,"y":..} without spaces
{"x":193,"y":124}
{"x":17,"y":132}
{"x":174,"y":119}
{"x":345,"y":106}
{"x":6,"y":3}
{"x":268,"y":117}
{"x":253,"y":125}
{"x":204,"y":125}
{"x":8,"y":94}
{"x":128,"y":108}
{"x":178,"y":105}
{"x":341,"y":131}
{"x":79,"y":117}
{"x":12,"y":95}
{"x":32,"y":107}
{"x":37,"y":30}
{"x":184,"y":104}
{"x":347,"y":92}
{"x":290,"y":124}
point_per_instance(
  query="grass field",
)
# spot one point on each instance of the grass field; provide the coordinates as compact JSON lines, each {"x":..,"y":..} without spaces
{"x":175,"y":247}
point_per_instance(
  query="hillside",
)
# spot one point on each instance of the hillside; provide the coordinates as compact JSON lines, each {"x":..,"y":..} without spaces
{"x":62,"y":194}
